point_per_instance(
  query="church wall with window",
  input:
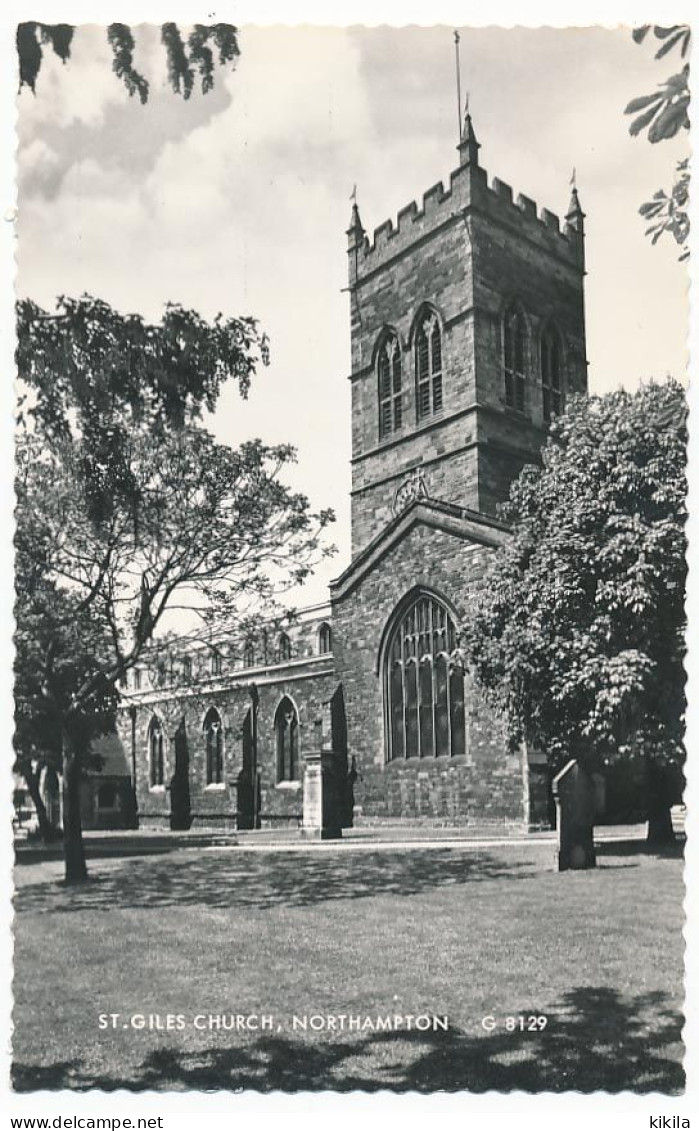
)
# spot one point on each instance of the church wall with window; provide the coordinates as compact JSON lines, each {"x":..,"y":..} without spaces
{"x":204,"y":731}
{"x":479,"y":780}
{"x":106,"y":799}
{"x":197,"y":661}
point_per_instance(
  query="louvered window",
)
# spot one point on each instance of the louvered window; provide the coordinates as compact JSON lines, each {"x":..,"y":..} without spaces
{"x":428,"y":368}
{"x":515,"y":346}
{"x":551,"y":374}
{"x":390,"y":373}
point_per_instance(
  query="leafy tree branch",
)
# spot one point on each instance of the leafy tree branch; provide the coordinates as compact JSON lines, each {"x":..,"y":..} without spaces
{"x":126,"y":504}
{"x":662,"y":114}
{"x":197,"y":55}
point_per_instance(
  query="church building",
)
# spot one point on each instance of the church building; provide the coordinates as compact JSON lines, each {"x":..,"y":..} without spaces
{"x":467,"y":336}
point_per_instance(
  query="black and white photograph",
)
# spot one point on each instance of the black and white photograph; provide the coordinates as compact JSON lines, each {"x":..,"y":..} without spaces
{"x":350,"y":558}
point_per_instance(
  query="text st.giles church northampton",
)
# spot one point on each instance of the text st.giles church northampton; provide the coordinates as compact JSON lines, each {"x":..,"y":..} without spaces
{"x":467,"y":335}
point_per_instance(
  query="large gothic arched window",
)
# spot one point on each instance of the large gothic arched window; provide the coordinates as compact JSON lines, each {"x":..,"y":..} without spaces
{"x":286,"y":725}
{"x":213,"y":733}
{"x":390,"y":373}
{"x":428,"y":366}
{"x":424,"y":684}
{"x":156,"y":753}
{"x":551,"y":373}
{"x":515,"y":358}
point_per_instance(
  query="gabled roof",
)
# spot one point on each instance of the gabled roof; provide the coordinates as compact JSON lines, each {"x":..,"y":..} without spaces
{"x":462,"y":523}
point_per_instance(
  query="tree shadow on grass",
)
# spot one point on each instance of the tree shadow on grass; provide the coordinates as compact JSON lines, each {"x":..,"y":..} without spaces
{"x":673,"y":851}
{"x":264,"y":880}
{"x":40,"y":854}
{"x":596,"y":1040}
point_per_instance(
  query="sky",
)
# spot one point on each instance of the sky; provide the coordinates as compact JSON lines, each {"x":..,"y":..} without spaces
{"x":238,"y":201}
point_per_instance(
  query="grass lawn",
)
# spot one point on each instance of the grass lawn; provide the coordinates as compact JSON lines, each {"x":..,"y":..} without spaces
{"x":416,"y":931}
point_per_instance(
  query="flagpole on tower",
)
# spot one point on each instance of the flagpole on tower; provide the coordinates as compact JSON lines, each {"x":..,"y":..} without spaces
{"x":457,"y":40}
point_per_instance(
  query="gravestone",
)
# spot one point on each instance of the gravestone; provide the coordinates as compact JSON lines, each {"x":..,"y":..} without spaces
{"x":579,"y":797}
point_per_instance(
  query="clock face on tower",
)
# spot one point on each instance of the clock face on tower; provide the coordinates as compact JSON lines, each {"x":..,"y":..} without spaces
{"x":412,"y":487}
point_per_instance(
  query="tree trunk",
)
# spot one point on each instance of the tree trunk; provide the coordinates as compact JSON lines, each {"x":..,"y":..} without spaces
{"x":73,"y":847}
{"x":46,"y":829}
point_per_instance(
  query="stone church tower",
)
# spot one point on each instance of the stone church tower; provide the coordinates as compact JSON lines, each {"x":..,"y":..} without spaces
{"x":467,"y":336}
{"x":468,"y":331}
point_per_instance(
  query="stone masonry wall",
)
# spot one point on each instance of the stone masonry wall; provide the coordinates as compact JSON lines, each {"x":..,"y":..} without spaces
{"x":488,"y":782}
{"x":216,"y":805}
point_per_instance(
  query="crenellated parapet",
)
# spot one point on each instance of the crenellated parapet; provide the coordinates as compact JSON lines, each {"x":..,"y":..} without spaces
{"x":469,"y":194}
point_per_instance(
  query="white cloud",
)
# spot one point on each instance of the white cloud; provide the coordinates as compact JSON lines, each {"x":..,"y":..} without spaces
{"x":245,"y":212}
{"x":38,"y":156}
{"x":77,"y":91}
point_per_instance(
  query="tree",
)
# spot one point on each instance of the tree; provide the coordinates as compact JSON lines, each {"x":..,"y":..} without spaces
{"x":662,"y":115}
{"x":53,"y":635}
{"x":128,"y":507}
{"x":186,"y":60}
{"x":578,"y":634}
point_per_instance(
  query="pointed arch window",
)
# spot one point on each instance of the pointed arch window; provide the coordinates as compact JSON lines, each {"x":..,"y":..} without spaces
{"x":428,"y":367}
{"x":213,"y":735}
{"x":515,"y":358}
{"x":390,"y":374}
{"x":286,"y":725}
{"x":156,"y":753}
{"x":215,"y":662}
{"x":325,"y":639}
{"x":187,"y":668}
{"x":249,"y":654}
{"x":424,"y":684}
{"x":283,"y":648}
{"x":551,"y":373}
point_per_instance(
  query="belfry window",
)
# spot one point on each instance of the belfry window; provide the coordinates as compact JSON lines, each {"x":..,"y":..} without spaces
{"x":286,"y":725}
{"x":428,"y":367}
{"x":249,"y":654}
{"x":156,"y":754}
{"x":390,"y":373}
{"x":215,"y":662}
{"x":551,"y":374}
{"x":283,"y":648}
{"x":515,"y":358}
{"x":424,"y":685}
{"x":213,"y":733}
